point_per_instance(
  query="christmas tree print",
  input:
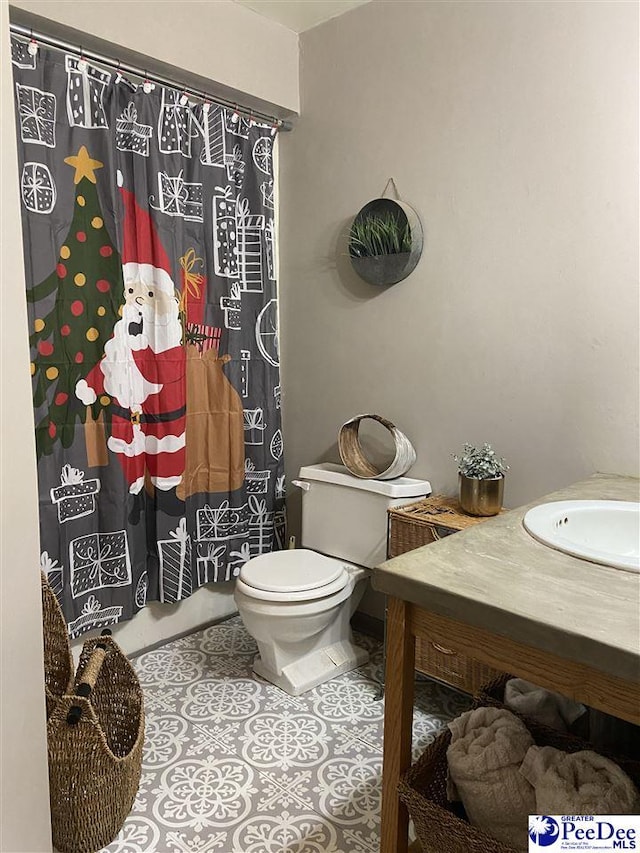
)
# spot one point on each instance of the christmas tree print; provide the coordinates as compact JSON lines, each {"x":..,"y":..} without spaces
{"x":70,"y":339}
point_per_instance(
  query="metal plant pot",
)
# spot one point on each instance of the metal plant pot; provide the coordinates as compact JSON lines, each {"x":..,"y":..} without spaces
{"x":481,"y":497}
{"x":384,"y":269}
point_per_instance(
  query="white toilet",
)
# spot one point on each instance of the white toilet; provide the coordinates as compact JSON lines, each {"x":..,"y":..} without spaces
{"x":297,"y":604}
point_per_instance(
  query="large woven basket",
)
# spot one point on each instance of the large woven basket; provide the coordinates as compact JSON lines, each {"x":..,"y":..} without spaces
{"x":58,"y":660}
{"x":95,"y":736}
{"x":440,"y":825}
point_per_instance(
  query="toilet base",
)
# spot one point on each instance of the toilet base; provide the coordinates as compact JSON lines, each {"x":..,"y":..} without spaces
{"x":315,"y":668}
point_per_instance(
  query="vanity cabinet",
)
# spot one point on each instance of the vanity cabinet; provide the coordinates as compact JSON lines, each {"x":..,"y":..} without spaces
{"x":422,"y":523}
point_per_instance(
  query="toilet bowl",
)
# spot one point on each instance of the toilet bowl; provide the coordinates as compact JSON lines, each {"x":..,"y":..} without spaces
{"x":297,"y":605}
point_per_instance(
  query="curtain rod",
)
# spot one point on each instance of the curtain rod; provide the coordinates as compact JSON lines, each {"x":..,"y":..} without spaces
{"x":50,"y":41}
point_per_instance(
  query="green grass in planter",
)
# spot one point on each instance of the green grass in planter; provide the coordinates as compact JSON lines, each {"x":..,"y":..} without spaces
{"x":379,"y":234}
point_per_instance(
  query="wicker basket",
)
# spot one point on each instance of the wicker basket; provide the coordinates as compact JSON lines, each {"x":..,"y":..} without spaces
{"x":441,"y":825}
{"x":492,"y":694}
{"x":58,"y":660}
{"x":448,"y":665}
{"x":420,"y":523}
{"x":95,"y":735}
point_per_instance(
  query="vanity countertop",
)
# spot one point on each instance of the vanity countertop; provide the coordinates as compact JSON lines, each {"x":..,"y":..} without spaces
{"x":496,"y":576}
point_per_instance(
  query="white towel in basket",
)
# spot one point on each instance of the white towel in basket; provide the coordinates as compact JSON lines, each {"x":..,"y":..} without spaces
{"x":486,"y":751}
{"x":578,"y":783}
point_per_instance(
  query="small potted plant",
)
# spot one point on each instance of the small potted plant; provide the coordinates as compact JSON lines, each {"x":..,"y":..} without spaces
{"x":481,"y":479}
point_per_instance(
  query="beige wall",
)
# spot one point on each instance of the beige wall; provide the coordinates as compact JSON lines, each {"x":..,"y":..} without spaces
{"x":218,"y":40}
{"x":512,"y":128}
{"x":24,"y":794}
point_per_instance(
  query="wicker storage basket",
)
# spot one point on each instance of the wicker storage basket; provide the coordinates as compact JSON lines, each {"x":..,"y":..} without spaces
{"x":420,"y":523}
{"x":448,"y":665}
{"x":492,"y":694}
{"x":58,"y":660}
{"x":440,"y":825}
{"x":95,"y":735}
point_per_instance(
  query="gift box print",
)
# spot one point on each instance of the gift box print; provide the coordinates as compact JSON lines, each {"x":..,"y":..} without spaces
{"x":99,"y":560}
{"x":222,"y":522}
{"x":75,"y":498}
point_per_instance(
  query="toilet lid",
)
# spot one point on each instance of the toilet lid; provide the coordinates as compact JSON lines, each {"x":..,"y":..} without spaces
{"x":295,"y":570}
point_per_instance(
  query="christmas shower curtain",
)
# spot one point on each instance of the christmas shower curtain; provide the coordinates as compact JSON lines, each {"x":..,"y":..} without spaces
{"x":149,"y":248}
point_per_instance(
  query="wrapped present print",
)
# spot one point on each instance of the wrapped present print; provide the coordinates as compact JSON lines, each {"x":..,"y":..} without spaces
{"x":38,"y":188}
{"x":37,"y":113}
{"x":245,"y":358}
{"x":260,"y":527}
{"x":249,"y":236}
{"x":266,"y":191}
{"x":176,"y":197}
{"x":222,"y":522}
{"x":225,"y":241}
{"x":194,"y":286}
{"x":21,"y":56}
{"x":210,"y":562}
{"x":270,"y":242}
{"x":280,"y":528}
{"x":254,"y":426}
{"x":75,"y":497}
{"x":231,"y":306}
{"x":86,"y":87}
{"x":237,"y":124}
{"x":93,"y":616}
{"x":204,"y":338}
{"x":130,"y":134}
{"x":237,"y":559}
{"x":52,"y":572}
{"x":235,"y":166}
{"x":214,"y":139}
{"x":99,"y":560}
{"x":257,"y":482}
{"x":174,"y":124}
{"x":175,"y":564}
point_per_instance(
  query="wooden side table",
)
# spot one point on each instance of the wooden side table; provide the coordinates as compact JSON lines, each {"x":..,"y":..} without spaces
{"x":412,"y":526}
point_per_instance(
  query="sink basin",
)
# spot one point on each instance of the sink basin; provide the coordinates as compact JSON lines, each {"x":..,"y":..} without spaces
{"x":606,"y":532}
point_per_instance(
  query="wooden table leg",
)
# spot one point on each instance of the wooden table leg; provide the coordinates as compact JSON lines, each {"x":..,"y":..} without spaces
{"x":398,"y":717}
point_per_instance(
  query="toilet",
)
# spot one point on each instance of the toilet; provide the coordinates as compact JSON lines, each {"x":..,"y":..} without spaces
{"x":297,"y":604}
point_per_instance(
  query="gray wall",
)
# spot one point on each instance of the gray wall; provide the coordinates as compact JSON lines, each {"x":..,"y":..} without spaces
{"x":512,"y":128}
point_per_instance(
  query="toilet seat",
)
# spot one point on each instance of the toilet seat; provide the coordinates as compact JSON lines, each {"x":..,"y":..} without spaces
{"x":294,"y":575}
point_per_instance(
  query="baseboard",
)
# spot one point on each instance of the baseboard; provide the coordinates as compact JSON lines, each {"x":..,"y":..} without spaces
{"x":187,"y":633}
{"x":369,"y":625}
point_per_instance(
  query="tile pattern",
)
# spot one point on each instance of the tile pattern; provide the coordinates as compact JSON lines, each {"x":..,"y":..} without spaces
{"x":232,"y":764}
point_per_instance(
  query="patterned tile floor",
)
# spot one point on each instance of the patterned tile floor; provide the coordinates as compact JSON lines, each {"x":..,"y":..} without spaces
{"x":234,"y":765}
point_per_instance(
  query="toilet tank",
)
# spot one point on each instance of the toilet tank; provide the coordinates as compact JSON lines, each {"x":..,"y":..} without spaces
{"x":346,"y":517}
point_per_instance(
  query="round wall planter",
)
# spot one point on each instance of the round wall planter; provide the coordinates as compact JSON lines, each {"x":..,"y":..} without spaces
{"x":392,"y":267}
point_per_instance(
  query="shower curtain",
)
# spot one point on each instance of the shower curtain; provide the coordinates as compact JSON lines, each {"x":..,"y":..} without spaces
{"x":149,"y":247}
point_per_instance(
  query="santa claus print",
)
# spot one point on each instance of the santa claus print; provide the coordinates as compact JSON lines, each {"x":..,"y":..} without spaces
{"x":143,"y":367}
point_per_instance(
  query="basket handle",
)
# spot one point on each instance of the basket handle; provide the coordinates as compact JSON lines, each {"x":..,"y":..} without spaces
{"x":89,"y":678}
